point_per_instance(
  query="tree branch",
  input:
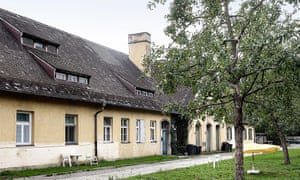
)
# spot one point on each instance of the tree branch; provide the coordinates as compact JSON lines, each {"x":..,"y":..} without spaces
{"x":264,"y":87}
{"x":248,"y":20}
{"x":215,"y":104}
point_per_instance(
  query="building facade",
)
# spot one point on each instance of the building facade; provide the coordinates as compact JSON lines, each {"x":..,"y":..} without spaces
{"x":61,"y":94}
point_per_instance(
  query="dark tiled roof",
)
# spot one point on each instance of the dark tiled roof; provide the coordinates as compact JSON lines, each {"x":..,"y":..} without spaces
{"x":20,"y":73}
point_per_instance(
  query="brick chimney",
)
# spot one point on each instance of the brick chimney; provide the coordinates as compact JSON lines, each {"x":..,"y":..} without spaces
{"x":139,"y":45}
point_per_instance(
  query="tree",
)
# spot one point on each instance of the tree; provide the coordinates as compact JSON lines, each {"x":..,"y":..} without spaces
{"x":226,"y":52}
{"x":278,"y":109}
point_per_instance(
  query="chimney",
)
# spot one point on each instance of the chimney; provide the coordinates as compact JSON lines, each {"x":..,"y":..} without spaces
{"x":139,"y":45}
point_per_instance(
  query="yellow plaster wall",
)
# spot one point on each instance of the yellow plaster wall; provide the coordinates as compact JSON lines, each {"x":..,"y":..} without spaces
{"x":131,"y":149}
{"x":48,"y":133}
{"x":203,"y":132}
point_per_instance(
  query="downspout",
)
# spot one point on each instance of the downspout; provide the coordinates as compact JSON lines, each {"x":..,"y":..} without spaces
{"x":96,"y":127}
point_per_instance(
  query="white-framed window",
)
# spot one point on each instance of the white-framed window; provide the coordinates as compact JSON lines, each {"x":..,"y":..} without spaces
{"x":38,"y":45}
{"x":70,"y":129}
{"x":27,"y":41}
{"x":107,"y":129}
{"x":72,"y":78}
{"x":153,"y":131}
{"x":250,"y":134}
{"x":51,"y":49}
{"x":140,"y":131}
{"x":83,"y":80}
{"x":229,"y":133}
{"x":124,"y":130}
{"x":23,"y":128}
{"x":61,"y":76}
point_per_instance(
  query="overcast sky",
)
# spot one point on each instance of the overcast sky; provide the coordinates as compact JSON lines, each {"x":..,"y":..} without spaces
{"x":107,"y":22}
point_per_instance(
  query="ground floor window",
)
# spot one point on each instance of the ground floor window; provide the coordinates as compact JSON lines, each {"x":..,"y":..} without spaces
{"x":140,"y":131}
{"x":107,"y":129}
{"x":23,"y":128}
{"x":152,"y":131}
{"x":124,"y":130}
{"x":70,"y":129}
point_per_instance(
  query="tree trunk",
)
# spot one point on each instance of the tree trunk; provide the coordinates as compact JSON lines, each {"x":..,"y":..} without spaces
{"x":281,"y":136}
{"x":238,"y":127}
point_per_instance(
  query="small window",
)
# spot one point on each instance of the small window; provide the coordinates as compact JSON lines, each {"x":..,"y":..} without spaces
{"x":23,"y":128}
{"x":72,"y":78}
{"x":140,"y":131}
{"x":61,"y":76}
{"x":124,"y":130}
{"x":51,"y":49}
{"x":83,"y":80}
{"x":38,"y":45}
{"x":138,"y":92}
{"x":107,"y":129}
{"x":70,"y":129}
{"x":152,"y":131}
{"x":27,"y":41}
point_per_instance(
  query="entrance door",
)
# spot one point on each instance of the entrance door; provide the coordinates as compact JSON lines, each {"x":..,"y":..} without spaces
{"x":208,"y":138}
{"x":197,"y":132}
{"x":164,"y":137}
{"x":217,"y":138}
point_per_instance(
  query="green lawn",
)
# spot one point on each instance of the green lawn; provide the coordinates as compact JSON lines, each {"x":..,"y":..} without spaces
{"x":271,"y":167}
{"x":63,"y":170}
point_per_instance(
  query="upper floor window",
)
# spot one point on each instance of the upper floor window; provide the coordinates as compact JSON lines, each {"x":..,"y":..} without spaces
{"x":23,"y":128}
{"x":72,"y":78}
{"x":70,"y":129}
{"x":39,"y":43}
{"x":83,"y":80}
{"x":61,"y":76}
{"x":143,"y":92}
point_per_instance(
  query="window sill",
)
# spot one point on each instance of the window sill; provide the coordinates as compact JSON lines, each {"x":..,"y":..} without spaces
{"x":140,"y":142}
{"x":125,"y":142}
{"x":155,"y":141}
{"x":107,"y":142}
{"x":67,"y":144}
{"x":24,"y":145}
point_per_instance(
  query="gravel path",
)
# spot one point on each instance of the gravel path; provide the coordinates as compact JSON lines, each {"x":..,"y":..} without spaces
{"x":123,"y":172}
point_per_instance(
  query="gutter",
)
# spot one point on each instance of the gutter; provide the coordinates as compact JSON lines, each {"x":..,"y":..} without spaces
{"x":96,"y":127}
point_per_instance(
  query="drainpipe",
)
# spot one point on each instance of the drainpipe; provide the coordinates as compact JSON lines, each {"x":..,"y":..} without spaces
{"x":96,"y":127}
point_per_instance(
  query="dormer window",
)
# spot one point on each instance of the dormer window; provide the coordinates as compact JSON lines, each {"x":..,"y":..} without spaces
{"x":39,"y":43}
{"x":83,"y":80}
{"x":72,"y":77}
{"x":144,"y":92}
{"x":61,"y":76}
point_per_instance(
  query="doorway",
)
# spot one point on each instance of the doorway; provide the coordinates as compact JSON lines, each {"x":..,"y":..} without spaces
{"x":164,"y":137}
{"x":208,"y":137}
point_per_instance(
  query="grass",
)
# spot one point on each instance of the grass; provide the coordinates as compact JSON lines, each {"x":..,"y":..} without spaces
{"x":64,"y":170}
{"x":271,"y":167}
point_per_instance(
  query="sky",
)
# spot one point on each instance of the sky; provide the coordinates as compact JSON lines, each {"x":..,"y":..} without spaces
{"x":106,"y":22}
